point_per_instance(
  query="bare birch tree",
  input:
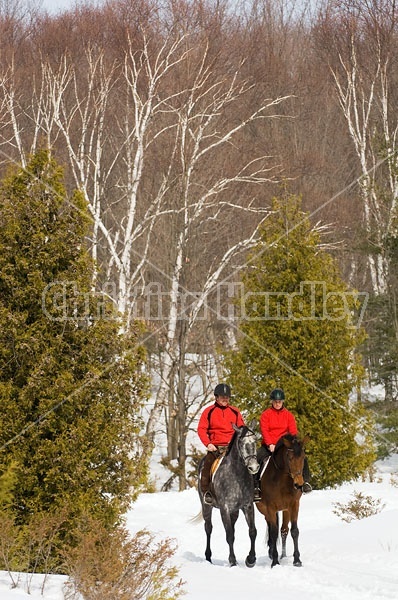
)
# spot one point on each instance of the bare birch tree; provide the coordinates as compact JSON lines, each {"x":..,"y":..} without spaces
{"x":205,"y":194}
{"x":159,"y":143}
{"x":360,"y":43}
{"x":363,"y":77}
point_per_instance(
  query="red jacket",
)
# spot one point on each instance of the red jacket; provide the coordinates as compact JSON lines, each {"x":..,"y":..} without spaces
{"x":276,"y":423}
{"x":215,"y":424}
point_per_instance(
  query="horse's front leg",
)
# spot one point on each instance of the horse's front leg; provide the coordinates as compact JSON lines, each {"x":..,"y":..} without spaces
{"x":295,"y":535}
{"x":285,"y":531}
{"x":229,"y":520}
{"x":206,"y":511}
{"x":272,"y":540}
{"x":294,"y":530}
{"x":249,"y":514}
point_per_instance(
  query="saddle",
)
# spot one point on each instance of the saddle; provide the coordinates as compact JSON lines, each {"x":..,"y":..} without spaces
{"x":263,"y":466}
{"x":217,"y":462}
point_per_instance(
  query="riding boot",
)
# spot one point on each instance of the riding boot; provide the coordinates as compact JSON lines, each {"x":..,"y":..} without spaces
{"x":208,"y":498}
{"x":262,"y":454}
{"x":257,"y":487}
{"x":307,"y":487}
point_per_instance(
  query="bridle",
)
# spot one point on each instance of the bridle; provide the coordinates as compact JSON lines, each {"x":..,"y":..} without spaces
{"x":248,"y":457}
{"x":289,"y":472}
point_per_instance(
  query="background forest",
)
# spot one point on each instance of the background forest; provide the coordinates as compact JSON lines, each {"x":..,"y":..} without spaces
{"x":199,"y":135}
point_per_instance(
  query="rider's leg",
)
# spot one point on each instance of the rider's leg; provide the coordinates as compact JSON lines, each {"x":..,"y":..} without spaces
{"x":205,"y":477}
{"x":262,"y":453}
{"x":307,"y":488}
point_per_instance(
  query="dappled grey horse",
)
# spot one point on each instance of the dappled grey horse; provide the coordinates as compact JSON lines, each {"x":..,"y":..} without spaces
{"x":232,"y":489}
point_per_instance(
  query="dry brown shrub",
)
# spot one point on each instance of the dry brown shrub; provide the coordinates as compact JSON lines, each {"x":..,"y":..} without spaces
{"x":105,"y":566}
{"x":359,"y":507}
{"x":30,"y":548}
{"x":40,"y":544}
{"x":9,"y":545}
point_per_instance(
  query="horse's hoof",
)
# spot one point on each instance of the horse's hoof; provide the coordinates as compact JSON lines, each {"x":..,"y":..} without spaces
{"x":298,"y":563}
{"x":250,"y":564}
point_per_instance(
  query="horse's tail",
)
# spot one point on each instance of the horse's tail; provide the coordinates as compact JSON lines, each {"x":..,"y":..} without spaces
{"x":196,"y":519}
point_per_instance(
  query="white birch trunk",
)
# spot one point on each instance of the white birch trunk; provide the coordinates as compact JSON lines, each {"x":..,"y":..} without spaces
{"x":358,"y":106}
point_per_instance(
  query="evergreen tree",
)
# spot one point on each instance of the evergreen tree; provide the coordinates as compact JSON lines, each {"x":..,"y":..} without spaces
{"x":71,"y":385}
{"x":297,"y":332}
{"x":381,"y":345}
{"x":381,"y":348}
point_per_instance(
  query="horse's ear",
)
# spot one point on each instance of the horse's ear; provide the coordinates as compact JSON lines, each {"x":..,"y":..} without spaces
{"x":306,"y":439}
{"x":253,"y":425}
{"x":235,"y":427}
{"x":287,"y":442}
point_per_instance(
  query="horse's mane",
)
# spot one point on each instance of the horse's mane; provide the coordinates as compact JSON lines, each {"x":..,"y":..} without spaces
{"x":296,"y":443}
{"x":244,"y":430}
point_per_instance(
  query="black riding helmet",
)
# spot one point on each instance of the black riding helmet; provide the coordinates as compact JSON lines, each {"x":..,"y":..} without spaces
{"x":222,"y":389}
{"x":277,"y":394}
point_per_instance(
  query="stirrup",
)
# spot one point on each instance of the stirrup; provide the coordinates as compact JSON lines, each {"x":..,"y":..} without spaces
{"x":208,"y":498}
{"x":307,"y":488}
{"x":257,"y":495}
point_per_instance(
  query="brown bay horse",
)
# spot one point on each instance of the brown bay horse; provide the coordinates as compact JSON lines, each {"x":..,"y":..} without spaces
{"x":281,"y":484}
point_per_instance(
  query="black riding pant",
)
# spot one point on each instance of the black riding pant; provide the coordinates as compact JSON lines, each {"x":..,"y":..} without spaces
{"x":262,"y":454}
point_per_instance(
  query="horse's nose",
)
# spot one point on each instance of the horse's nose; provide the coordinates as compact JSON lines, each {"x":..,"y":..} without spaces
{"x":254,"y":467}
{"x":298,"y":480}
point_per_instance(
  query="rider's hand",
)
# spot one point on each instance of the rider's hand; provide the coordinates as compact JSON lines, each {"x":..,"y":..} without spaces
{"x":271,"y":447}
{"x":211,"y":448}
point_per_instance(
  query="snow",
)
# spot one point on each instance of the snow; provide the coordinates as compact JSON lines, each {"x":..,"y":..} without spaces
{"x":341,"y":561}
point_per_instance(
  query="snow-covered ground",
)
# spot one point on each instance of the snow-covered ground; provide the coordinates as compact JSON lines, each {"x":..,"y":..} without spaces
{"x":341,"y":561}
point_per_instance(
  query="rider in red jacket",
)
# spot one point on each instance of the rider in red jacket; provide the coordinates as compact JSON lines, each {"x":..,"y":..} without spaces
{"x":275,"y":422}
{"x":215,"y":432}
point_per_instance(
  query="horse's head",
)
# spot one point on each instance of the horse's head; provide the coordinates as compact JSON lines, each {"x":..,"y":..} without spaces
{"x":294,"y":456}
{"x":247,"y":447}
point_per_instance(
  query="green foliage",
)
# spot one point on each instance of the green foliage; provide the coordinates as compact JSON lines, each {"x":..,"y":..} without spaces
{"x":8,"y":480}
{"x":359,"y":507}
{"x":71,"y":385}
{"x":387,"y":422}
{"x":297,"y":331}
{"x":381,"y":346}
